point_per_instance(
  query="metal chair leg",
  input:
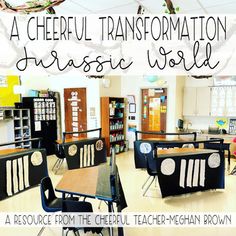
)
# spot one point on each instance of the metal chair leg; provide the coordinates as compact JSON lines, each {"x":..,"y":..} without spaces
{"x":61,"y":162}
{"x":149,"y":186}
{"x":155,"y":181}
{"x":55,"y":164}
{"x":146,"y":181}
{"x":100,"y":203}
{"x":41,"y":231}
{"x":76,"y":232}
{"x":58,"y":164}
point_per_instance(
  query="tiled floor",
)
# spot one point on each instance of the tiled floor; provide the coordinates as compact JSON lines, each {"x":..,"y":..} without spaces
{"x":132,"y":180}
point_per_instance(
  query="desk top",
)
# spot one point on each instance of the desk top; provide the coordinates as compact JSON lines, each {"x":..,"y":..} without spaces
{"x":75,"y":139}
{"x":182,"y":152}
{"x":8,"y":151}
{"x":171,"y":139}
{"x":70,"y":140}
{"x":91,"y":182}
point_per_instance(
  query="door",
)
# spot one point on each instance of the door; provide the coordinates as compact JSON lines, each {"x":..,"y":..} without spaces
{"x":75,"y":110}
{"x":154,"y":108}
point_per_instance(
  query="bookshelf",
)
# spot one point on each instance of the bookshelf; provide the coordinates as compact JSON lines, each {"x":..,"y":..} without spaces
{"x":21,"y":125}
{"x":113,"y":123}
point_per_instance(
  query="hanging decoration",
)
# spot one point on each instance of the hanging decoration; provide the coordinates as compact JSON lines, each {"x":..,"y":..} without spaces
{"x":170,"y":9}
{"x":31,"y":6}
{"x":152,"y":78}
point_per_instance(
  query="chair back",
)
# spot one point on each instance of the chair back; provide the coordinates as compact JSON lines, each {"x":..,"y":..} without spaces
{"x":76,"y":206}
{"x":47,"y":194}
{"x":113,"y":175}
{"x":148,"y":153}
{"x":80,"y":206}
{"x":59,"y":151}
{"x":151,"y":160}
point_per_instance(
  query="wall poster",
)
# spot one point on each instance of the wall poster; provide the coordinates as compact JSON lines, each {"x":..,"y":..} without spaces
{"x":7,"y":95}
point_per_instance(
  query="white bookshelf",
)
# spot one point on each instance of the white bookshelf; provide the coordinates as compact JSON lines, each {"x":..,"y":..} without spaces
{"x":20,"y":120}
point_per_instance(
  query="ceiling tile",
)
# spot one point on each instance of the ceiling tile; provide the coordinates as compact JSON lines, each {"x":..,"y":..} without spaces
{"x":186,"y":6}
{"x":222,"y":9}
{"x":153,"y":6}
{"x":196,"y":11}
{"x":99,"y":5}
{"x":125,"y":9}
{"x":69,"y":7}
{"x":208,"y":3}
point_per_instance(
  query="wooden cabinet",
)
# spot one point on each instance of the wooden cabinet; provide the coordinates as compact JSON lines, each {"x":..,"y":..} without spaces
{"x":197,"y":101}
{"x":203,"y":101}
{"x":113,"y":123}
{"x":21,"y":125}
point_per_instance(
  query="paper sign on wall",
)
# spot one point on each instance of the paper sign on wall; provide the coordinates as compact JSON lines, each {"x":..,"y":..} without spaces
{"x":163,"y":109}
{"x":222,"y":123}
{"x":37,"y":125}
{"x":151,"y":92}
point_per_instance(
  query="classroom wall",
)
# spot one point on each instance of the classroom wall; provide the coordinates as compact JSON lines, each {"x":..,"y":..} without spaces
{"x":180,"y":83}
{"x":58,"y":83}
{"x":132,"y":85}
{"x":114,"y":89}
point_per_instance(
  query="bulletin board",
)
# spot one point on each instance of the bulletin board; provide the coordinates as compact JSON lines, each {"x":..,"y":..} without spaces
{"x":7,"y":96}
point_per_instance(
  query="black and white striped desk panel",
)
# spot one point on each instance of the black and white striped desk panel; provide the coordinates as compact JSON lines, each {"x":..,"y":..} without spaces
{"x":182,"y":173}
{"x":85,"y":153}
{"x":21,"y":169}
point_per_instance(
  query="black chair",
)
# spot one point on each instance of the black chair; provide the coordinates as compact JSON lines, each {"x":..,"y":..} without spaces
{"x":151,"y":165}
{"x":80,"y":206}
{"x":50,"y":202}
{"x":221,"y":146}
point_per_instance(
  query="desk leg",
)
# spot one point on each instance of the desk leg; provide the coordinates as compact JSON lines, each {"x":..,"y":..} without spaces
{"x":110,"y":208}
{"x":63,"y":198}
{"x":229,"y":154}
{"x":120,"y":229}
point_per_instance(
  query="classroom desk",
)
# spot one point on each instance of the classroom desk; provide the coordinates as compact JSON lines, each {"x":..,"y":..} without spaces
{"x":169,"y":142}
{"x":215,"y":146}
{"x":21,"y":169}
{"x":187,"y":170}
{"x":82,"y":152}
{"x":93,"y":182}
{"x":166,"y":142}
